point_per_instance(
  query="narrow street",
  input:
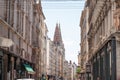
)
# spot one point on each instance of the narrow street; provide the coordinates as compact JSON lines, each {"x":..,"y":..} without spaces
{"x":60,"y":40}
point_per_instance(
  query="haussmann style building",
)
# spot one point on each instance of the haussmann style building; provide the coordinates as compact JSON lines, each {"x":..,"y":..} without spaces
{"x":84,"y":42}
{"x":104,"y":39}
{"x":20,"y":24}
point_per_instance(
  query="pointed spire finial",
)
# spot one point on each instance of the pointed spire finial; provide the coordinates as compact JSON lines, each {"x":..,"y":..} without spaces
{"x":57,"y":34}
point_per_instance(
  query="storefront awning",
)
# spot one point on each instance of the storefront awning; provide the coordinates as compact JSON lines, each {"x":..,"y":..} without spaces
{"x":29,"y":69}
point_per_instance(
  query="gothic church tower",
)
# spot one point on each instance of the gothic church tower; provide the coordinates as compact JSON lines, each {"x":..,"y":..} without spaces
{"x":57,"y":35}
{"x":59,"y":51}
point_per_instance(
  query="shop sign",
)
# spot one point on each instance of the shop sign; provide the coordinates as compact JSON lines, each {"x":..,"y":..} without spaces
{"x":5,"y":42}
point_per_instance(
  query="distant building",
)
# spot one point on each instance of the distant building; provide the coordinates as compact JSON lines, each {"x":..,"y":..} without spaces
{"x":59,"y":51}
{"x":74,"y":71}
{"x":51,"y":57}
{"x":72,"y":67}
{"x":66,"y":70}
{"x":55,"y":55}
{"x":79,"y":59}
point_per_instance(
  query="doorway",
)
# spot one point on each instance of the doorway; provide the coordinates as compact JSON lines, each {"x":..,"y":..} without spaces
{"x":1,"y":68}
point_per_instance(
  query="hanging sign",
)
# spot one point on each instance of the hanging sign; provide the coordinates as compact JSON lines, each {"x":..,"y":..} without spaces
{"x":5,"y":42}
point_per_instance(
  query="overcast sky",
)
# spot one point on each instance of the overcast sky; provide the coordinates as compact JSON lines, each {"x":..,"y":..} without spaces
{"x":67,"y":13}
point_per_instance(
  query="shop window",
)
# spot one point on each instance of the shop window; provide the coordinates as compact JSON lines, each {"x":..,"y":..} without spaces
{"x":9,"y":63}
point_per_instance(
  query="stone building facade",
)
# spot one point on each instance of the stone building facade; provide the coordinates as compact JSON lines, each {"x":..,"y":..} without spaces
{"x":70,"y":71}
{"x":39,"y":37}
{"x":79,"y":59}
{"x":55,"y":55}
{"x":51,"y":57}
{"x":84,"y":39}
{"x":104,"y":39}
{"x":66,"y":70}
{"x":19,"y":21}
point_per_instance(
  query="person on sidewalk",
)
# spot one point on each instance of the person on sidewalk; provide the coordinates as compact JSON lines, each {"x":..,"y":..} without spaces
{"x":43,"y":77}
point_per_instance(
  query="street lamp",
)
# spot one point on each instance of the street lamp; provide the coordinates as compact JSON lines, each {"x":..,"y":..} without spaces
{"x":88,"y":70}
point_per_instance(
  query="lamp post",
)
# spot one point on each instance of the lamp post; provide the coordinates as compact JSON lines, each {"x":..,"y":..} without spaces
{"x":88,"y":70}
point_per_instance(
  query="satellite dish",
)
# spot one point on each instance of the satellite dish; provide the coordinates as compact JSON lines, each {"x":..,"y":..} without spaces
{"x":5,"y":42}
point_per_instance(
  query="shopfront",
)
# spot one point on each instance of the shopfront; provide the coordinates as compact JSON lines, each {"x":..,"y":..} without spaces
{"x":23,"y":69}
{"x":104,"y":62}
{"x":1,"y":65}
{"x":13,"y":67}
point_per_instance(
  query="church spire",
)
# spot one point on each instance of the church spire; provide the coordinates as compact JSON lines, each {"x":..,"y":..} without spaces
{"x":57,"y":35}
{"x":60,"y":33}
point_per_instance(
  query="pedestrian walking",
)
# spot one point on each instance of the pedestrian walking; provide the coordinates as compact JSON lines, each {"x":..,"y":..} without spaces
{"x":43,"y":77}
